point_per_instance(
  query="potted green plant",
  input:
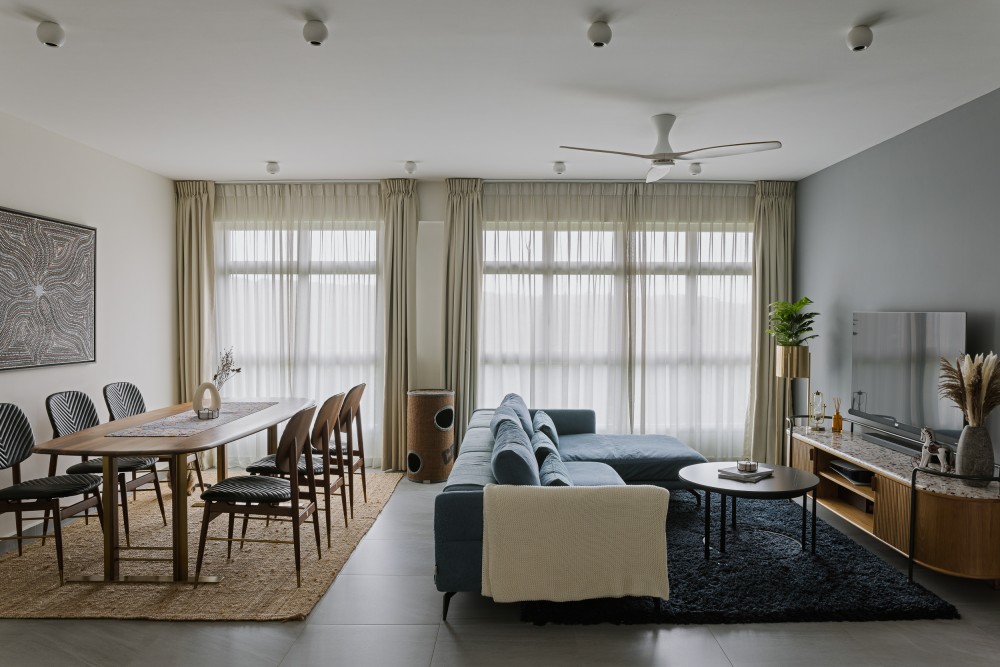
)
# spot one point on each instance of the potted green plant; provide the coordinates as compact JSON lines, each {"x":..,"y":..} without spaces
{"x":973,"y":384}
{"x":791,"y":327}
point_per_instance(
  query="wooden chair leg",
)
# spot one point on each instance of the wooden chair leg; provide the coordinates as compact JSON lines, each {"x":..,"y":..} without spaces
{"x":159,"y":494}
{"x":326,"y":497}
{"x":343,"y":502}
{"x":57,"y":529}
{"x":205,"y":520}
{"x":135,"y":492}
{"x":364,"y":483}
{"x":45,"y":516}
{"x":298,"y":551}
{"x":350,"y":479}
{"x":124,"y":495}
{"x":19,"y":527}
{"x":229,"y":544}
{"x":197,"y":472}
{"x":319,"y":550}
{"x":243,"y":533}
{"x":100,"y":510}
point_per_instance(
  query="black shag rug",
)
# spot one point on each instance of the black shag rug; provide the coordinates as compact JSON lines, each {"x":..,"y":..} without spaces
{"x":762,"y":577}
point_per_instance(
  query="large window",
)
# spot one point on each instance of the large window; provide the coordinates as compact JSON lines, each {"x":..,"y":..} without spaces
{"x":648,"y":323}
{"x":300,"y":296}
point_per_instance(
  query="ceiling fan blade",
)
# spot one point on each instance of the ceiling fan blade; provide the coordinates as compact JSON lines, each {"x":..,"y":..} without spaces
{"x":727,"y":150}
{"x":656,"y":172}
{"x":599,"y":150}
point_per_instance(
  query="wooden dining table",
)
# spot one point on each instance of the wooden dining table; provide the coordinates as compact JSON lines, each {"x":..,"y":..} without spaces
{"x":97,"y":442}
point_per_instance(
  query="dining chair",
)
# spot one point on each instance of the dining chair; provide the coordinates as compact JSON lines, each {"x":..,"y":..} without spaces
{"x":45,"y":493}
{"x":326,"y":460}
{"x":125,"y":400}
{"x":350,"y":426}
{"x":263,"y":496}
{"x":72,"y":411}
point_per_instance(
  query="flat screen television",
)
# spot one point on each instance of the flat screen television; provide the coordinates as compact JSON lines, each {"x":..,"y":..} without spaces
{"x":895,"y":365}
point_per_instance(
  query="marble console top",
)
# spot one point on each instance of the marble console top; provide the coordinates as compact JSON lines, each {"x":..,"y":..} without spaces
{"x":851,"y":447}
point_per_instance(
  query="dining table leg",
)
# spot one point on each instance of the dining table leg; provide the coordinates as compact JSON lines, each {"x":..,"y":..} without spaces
{"x":221,"y":463}
{"x":272,"y":439}
{"x":110,"y":500}
{"x":178,"y":506}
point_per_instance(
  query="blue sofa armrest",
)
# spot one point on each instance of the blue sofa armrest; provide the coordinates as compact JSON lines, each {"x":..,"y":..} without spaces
{"x":571,"y":421}
{"x":458,"y":541}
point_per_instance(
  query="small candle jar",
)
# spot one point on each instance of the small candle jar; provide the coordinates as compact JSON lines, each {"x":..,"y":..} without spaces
{"x":208,"y":413}
{"x":746,"y":465}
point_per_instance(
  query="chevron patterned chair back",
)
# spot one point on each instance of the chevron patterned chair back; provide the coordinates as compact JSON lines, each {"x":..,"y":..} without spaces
{"x":123,"y":400}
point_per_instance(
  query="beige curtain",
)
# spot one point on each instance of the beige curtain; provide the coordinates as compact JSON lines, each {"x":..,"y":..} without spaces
{"x":399,"y":206}
{"x":463,"y":289}
{"x":195,"y":289}
{"x":774,"y":249}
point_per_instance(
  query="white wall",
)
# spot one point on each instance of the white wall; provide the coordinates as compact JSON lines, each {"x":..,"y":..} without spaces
{"x":133,"y":212}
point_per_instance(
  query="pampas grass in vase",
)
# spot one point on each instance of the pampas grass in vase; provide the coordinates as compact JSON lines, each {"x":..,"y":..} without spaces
{"x":973,"y":385}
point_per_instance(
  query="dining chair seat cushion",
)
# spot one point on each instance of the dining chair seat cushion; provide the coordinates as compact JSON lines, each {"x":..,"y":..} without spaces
{"x":250,"y":489}
{"x":267,"y":466}
{"x":44,"y":488}
{"x":125,"y":464}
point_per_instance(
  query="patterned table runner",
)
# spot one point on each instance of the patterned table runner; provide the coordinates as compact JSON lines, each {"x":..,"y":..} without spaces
{"x":187,"y":423}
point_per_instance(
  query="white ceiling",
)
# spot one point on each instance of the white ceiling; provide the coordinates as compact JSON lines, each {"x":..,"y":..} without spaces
{"x":212,"y":89}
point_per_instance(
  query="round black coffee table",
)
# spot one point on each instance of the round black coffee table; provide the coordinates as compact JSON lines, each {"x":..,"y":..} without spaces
{"x":785,"y":483}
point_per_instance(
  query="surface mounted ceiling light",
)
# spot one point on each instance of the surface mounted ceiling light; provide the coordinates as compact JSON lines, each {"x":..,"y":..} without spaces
{"x":273,"y":168}
{"x":599,"y":33}
{"x":51,"y":34}
{"x":315,"y":32}
{"x":859,"y":38}
{"x":559,"y":168}
{"x":410,"y":167}
{"x":694,"y":168}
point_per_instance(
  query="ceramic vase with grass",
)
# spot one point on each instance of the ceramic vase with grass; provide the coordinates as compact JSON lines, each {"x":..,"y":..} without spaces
{"x":973,"y":384}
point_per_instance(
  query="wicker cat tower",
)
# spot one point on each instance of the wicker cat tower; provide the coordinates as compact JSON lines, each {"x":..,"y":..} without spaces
{"x":430,"y":434}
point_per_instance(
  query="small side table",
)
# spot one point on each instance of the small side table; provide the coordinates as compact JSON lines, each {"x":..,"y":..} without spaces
{"x":784,"y":484}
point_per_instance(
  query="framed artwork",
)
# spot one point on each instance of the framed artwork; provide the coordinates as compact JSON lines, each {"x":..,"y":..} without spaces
{"x":48,"y":278}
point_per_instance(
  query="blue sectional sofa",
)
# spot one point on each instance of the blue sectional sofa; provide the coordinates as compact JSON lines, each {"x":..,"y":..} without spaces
{"x":591,"y":459}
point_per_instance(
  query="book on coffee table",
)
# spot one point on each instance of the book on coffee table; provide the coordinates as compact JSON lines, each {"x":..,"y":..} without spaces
{"x":736,"y":474}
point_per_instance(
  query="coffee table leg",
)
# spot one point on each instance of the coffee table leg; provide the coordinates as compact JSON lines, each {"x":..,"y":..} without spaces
{"x":814,"y":521}
{"x":722,"y":531}
{"x":708,"y":520}
{"x":805,"y":498}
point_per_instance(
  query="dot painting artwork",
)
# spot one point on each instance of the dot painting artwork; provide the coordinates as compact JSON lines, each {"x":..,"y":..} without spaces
{"x":47,"y":291}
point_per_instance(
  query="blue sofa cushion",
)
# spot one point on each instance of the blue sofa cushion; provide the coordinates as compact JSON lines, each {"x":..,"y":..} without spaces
{"x":502,"y":414}
{"x":521,"y":408}
{"x":513,"y":459}
{"x":587,"y":473}
{"x":542,"y":422}
{"x":553,"y":472}
{"x":636,"y":458}
{"x":543,"y":447}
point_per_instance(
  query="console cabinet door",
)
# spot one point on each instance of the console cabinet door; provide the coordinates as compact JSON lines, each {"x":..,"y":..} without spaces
{"x":803,"y":456}
{"x":892,"y":512}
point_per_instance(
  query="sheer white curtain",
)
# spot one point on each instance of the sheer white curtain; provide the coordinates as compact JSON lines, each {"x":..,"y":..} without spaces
{"x":553,"y":302}
{"x":630,"y":299}
{"x":299,"y":295}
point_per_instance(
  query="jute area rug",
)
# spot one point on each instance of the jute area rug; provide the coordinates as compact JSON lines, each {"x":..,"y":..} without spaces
{"x":258,"y":584}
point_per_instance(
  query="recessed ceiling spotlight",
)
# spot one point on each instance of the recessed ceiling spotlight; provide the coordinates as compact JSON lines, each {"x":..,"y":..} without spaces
{"x":559,"y":168}
{"x":599,"y":33}
{"x":410,"y":167}
{"x":51,"y":34}
{"x":315,"y":32}
{"x":859,"y":38}
{"x":273,"y":168}
{"x":694,"y":168}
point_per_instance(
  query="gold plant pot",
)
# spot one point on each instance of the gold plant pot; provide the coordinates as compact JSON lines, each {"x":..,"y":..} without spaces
{"x":791,"y":361}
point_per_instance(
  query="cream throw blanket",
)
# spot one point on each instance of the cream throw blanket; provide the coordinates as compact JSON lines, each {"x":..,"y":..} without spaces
{"x":574,"y":543}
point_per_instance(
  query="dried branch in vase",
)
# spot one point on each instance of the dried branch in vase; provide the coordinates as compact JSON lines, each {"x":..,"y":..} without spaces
{"x":227,"y":369}
{"x":973,"y":385}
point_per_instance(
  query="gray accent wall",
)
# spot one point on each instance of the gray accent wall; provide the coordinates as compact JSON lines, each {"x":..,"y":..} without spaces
{"x":910,"y":224}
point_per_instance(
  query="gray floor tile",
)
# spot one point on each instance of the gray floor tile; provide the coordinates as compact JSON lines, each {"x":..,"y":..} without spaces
{"x":506,"y":645}
{"x":379,"y":600}
{"x":361,"y":645}
{"x":244,"y":644}
{"x":392,"y":558}
{"x":780,"y":644}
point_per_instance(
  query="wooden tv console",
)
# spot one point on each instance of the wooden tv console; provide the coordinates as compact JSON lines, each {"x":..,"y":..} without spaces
{"x":958,"y":526}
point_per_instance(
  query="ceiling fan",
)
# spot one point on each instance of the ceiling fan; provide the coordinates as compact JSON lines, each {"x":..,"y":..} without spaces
{"x":663,"y":156}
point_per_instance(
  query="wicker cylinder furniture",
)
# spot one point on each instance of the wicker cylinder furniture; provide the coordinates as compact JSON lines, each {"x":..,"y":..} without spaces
{"x":430,"y":434}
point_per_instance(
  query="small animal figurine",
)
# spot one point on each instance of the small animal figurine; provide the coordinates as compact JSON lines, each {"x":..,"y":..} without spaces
{"x":932,"y":451}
